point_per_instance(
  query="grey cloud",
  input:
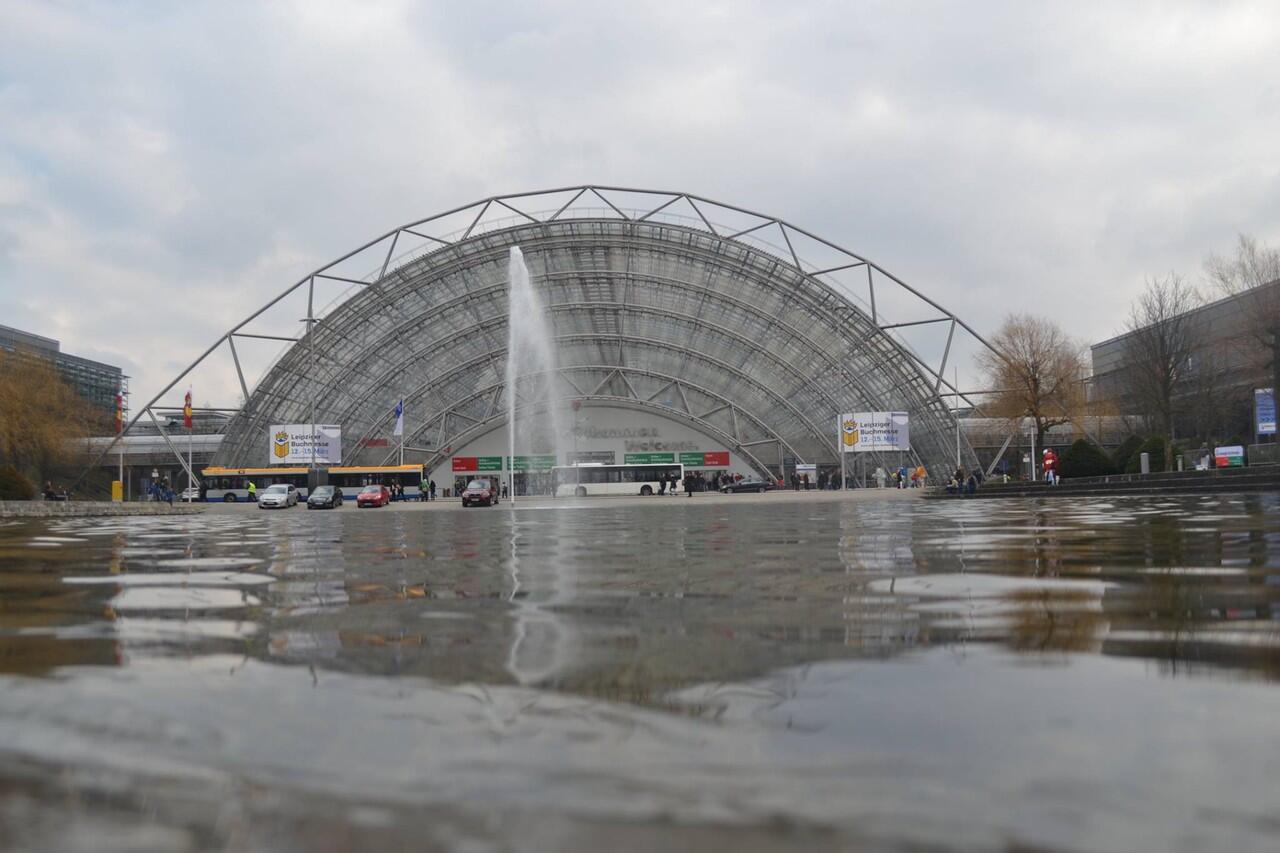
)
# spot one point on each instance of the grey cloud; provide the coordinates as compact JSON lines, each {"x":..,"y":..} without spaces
{"x":165,"y":169}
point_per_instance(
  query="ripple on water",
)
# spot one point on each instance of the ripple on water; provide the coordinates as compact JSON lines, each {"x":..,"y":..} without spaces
{"x":160,"y":598}
{"x":198,"y":579}
{"x":210,"y":562}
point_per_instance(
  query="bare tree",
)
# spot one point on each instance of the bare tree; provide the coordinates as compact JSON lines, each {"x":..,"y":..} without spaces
{"x":1039,"y":373}
{"x":1253,"y":274}
{"x":1159,"y":349}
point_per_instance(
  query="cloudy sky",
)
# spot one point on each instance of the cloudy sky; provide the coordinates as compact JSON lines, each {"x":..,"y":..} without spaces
{"x":165,"y":167}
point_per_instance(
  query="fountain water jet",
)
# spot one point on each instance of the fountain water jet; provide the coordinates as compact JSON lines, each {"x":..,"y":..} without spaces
{"x":533,"y":427}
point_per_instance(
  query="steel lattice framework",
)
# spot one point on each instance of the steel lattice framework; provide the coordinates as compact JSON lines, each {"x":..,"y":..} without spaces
{"x":750,"y":329}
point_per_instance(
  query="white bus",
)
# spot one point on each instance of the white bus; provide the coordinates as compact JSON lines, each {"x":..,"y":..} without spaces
{"x":232,"y":484}
{"x":596,"y":479}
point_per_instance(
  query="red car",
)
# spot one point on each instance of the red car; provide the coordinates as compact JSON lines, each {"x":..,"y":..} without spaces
{"x":373,"y":496}
{"x":479,"y":493}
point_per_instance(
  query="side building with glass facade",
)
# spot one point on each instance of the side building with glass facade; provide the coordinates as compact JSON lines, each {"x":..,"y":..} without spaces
{"x":96,"y":382}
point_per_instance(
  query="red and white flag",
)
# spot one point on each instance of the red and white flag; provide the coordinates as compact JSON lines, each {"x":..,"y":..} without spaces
{"x":186,"y":410}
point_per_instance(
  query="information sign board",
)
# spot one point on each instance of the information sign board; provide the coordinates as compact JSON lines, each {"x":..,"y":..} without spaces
{"x":710,"y":459}
{"x":463,"y":464}
{"x":648,"y":458}
{"x":1264,"y":411}
{"x":534,"y":463}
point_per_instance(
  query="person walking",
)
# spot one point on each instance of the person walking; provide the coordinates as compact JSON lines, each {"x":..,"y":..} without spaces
{"x":674,"y":484}
{"x":688,"y":484}
{"x":253,"y":492}
{"x":1050,"y":465}
{"x":433,"y":490}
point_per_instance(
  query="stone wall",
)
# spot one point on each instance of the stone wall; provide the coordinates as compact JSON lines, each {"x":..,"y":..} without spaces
{"x":80,"y":509}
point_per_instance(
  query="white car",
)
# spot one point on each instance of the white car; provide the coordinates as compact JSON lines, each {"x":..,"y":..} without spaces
{"x":279,"y":495}
{"x":190,"y":493}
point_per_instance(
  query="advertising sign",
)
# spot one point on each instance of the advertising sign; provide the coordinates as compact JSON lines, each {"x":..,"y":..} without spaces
{"x":866,"y":432}
{"x":1228,"y":457}
{"x":1264,"y":411}
{"x":290,"y":444}
{"x":648,"y":458}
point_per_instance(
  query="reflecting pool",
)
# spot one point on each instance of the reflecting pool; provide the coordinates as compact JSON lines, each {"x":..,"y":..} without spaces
{"x":774,"y":674}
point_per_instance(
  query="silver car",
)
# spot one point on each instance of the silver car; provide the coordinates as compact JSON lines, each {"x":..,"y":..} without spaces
{"x":278,"y":496}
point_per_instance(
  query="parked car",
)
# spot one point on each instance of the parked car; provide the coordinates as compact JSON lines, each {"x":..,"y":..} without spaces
{"x":479,"y":493}
{"x":325,"y":497}
{"x":278,"y":496}
{"x":373,"y":496}
{"x":190,"y":493}
{"x":748,"y":486}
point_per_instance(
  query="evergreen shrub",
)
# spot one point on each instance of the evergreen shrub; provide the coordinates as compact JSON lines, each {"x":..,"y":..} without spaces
{"x":1120,"y":456}
{"x":1153,"y":446}
{"x":1085,"y":459}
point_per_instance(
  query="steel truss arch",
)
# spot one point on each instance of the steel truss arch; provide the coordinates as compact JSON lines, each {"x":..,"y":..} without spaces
{"x":478,"y":427}
{"x":613,"y":244}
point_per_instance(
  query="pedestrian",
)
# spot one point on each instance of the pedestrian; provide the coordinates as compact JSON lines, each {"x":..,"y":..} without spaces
{"x":674,"y":484}
{"x":433,"y":490}
{"x":920,"y":476}
{"x":662,"y":484}
{"x":688,"y":484}
{"x":253,"y":492}
{"x":880,"y":477}
{"x":1050,"y":465}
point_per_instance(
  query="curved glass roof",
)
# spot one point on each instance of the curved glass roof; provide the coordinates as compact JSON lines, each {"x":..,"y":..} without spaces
{"x":739,"y":339}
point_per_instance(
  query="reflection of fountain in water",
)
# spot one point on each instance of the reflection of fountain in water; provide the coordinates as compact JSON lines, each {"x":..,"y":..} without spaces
{"x":543,"y":577}
{"x":533,"y":417}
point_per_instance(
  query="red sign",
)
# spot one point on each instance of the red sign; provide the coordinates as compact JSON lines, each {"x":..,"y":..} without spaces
{"x":373,"y":442}
{"x":716,"y":459}
{"x":466,"y":463}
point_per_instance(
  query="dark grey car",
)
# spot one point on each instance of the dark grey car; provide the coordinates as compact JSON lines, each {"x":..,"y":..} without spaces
{"x":325,"y":497}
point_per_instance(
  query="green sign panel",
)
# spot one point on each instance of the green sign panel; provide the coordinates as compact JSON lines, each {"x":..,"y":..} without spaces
{"x":650,"y":458}
{"x":489,"y":463}
{"x":534,"y":463}
{"x":692,"y":459}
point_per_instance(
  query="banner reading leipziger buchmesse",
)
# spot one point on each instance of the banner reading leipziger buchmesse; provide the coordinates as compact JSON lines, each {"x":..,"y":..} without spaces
{"x":290,"y":444}
{"x":867,"y":432}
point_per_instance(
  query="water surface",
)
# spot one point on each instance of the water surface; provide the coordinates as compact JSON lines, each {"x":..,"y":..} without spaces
{"x":782,"y":674}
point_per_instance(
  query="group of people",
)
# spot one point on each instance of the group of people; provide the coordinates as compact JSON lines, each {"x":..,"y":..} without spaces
{"x":427,"y":490}
{"x":964,"y":484}
{"x":160,"y":491}
{"x":670,"y":484}
{"x":52,"y":494}
{"x":903,"y":477}
{"x":823,"y":481}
